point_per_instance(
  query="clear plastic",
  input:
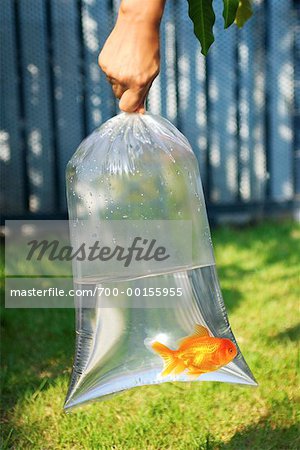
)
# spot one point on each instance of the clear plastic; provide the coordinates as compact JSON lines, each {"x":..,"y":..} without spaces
{"x":141,"y":168}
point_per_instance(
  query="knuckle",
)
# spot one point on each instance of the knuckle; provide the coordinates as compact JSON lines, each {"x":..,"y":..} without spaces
{"x":101,"y":62}
{"x":141,"y":81}
{"x":125,"y":81}
{"x":120,"y":78}
{"x":126,"y":108}
{"x":156,"y":72}
{"x":108,"y":73}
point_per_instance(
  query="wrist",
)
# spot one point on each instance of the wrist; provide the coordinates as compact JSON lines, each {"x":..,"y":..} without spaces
{"x":142,"y":11}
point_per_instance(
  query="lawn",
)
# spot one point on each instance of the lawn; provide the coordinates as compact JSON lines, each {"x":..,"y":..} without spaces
{"x":259,"y":272}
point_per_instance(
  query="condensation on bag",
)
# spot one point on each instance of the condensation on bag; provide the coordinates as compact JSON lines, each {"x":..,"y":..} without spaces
{"x":146,"y":324}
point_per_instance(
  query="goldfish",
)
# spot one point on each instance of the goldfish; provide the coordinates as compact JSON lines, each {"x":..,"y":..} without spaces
{"x":197,"y":354}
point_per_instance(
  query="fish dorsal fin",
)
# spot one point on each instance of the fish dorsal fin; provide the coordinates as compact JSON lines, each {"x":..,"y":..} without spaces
{"x":200,"y":331}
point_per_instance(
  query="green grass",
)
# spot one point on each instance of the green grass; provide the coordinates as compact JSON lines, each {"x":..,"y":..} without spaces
{"x":259,"y":273}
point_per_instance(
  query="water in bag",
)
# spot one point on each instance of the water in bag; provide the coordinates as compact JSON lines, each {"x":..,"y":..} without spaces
{"x":154,"y":310}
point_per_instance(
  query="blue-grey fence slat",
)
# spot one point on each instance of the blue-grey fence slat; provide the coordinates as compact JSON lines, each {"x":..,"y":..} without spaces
{"x":223,"y":110}
{"x":68,"y":84}
{"x":11,"y":147}
{"x":296,"y":122}
{"x":168,"y":69}
{"x":97,"y":22}
{"x":252,"y":65}
{"x":33,"y":56}
{"x":280,"y":85}
{"x":239,"y":107}
{"x":191,"y":68}
{"x":251,"y":108}
{"x":158,"y":98}
{"x":162,"y":98}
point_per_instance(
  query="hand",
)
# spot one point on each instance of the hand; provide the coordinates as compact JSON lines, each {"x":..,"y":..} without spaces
{"x":130,"y":59}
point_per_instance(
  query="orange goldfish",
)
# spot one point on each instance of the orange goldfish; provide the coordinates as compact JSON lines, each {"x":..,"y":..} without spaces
{"x":198,"y":354}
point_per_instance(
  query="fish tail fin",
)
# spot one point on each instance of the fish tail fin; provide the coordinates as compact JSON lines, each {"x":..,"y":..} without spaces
{"x":171,"y":362}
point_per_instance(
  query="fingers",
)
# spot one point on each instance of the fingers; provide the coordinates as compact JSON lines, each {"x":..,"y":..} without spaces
{"x":133,"y":99}
{"x":141,"y":109}
{"x":117,"y":87}
{"x":118,"y":90}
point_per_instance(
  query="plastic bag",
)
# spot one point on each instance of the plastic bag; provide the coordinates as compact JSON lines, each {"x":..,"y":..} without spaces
{"x":159,"y":319}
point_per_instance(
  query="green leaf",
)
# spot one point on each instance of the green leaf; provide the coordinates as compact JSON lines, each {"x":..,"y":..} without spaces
{"x":229,"y":11}
{"x":202,"y":14}
{"x":244,"y":12}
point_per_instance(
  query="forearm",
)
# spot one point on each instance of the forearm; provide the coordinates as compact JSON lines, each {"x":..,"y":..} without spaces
{"x":130,"y":56}
{"x":144,"y":11}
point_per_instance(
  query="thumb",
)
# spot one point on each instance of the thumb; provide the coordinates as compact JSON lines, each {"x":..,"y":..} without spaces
{"x":132,"y":99}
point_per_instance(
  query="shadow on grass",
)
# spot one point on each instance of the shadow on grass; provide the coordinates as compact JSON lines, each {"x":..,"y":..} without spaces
{"x":275,"y":242}
{"x":39,"y":346}
{"x":269,"y":243}
{"x":292,"y":334}
{"x":263,"y":436}
{"x":232,"y":296}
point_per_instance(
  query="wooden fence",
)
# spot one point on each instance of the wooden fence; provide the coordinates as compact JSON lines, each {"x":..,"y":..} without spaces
{"x":239,"y":108}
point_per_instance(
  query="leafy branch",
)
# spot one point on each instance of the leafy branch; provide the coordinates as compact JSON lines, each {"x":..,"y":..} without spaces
{"x":244,"y":12}
{"x":202,"y":14}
